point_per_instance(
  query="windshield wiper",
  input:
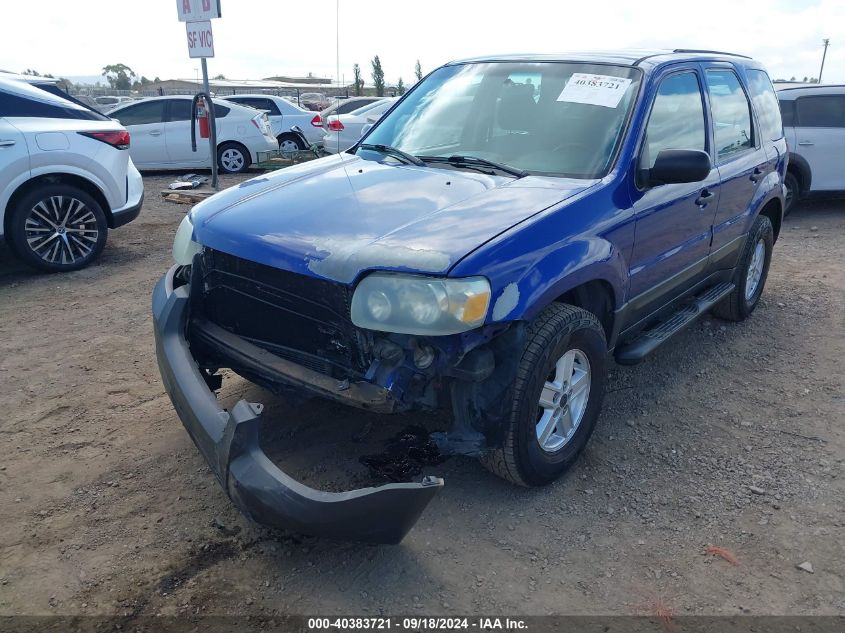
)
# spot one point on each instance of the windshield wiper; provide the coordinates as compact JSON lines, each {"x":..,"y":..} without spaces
{"x":470,"y":161}
{"x":393,"y":151}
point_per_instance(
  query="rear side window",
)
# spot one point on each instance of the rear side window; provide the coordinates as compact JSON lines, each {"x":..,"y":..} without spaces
{"x":259,"y":104}
{"x":787,"y":113}
{"x":677,"y":118}
{"x":731,"y":114}
{"x":180,"y":110}
{"x":12,"y":105}
{"x":821,"y":111}
{"x":765,"y":104}
{"x":346,"y":108}
{"x":142,"y":113}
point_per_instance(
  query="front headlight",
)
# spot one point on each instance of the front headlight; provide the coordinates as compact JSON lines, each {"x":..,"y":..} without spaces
{"x":184,"y":246}
{"x":411,"y":304}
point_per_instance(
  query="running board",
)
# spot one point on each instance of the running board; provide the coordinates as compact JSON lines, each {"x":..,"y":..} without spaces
{"x":634,"y":351}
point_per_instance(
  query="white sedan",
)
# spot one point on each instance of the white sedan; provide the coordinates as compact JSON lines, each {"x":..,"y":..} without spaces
{"x":161,"y":134}
{"x":283,"y":116}
{"x":346,"y":129}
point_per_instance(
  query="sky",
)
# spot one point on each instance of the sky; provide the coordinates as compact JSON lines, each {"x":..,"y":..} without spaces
{"x":260,"y":38}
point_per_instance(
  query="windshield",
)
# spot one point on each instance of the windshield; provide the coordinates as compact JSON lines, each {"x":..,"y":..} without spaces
{"x":551,"y":118}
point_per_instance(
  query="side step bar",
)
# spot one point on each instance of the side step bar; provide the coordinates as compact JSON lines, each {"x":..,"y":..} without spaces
{"x":634,"y":351}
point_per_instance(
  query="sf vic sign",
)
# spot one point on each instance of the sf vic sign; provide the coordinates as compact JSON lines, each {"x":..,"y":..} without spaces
{"x":197,"y":16}
{"x":197,"y":10}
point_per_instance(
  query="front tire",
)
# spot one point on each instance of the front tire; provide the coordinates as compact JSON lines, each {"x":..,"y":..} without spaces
{"x":58,"y":228}
{"x":557,"y":397}
{"x":233,"y":158}
{"x":752,"y":270}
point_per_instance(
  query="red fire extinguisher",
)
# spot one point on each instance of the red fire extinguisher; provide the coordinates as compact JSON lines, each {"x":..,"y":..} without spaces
{"x":202,"y":117}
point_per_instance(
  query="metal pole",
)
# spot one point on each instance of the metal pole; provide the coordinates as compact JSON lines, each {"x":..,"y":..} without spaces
{"x":826,"y":42}
{"x":337,"y":35}
{"x":212,"y":136}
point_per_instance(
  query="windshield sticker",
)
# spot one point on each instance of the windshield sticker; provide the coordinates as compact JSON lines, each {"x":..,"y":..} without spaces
{"x":600,"y":90}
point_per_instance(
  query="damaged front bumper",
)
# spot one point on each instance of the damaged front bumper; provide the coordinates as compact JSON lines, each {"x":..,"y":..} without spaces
{"x":229,"y":442}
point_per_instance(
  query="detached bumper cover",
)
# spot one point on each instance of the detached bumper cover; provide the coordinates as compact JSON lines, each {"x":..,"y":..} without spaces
{"x":229,"y":442}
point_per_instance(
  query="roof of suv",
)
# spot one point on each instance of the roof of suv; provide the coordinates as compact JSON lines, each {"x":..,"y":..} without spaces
{"x":793,"y":92}
{"x":626,"y":57}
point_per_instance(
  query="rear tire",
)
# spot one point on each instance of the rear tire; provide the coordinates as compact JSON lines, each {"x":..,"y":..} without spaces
{"x":751,"y":273}
{"x":58,"y":228}
{"x":290,"y":143}
{"x":233,"y":158}
{"x":562,"y":372}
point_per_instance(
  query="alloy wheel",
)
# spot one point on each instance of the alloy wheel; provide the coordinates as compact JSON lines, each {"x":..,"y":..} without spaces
{"x":232,"y":159}
{"x":563,"y":400}
{"x":61,"y":230}
{"x":755,"y":270}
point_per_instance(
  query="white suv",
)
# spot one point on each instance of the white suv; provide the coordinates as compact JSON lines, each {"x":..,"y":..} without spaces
{"x":65,"y":178}
{"x":814,"y":124}
{"x":161,"y":134}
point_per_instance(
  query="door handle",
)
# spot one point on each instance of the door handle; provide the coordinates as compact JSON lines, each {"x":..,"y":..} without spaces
{"x":6,"y":143}
{"x":704,"y":198}
{"x":755,"y":175}
{"x":155,"y":133}
{"x":806,"y":143}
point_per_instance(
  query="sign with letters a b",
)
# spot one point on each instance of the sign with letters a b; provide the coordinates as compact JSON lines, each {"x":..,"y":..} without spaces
{"x":198,"y":10}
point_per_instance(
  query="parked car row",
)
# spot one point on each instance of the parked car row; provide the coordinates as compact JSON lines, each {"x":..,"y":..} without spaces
{"x":161,"y":134}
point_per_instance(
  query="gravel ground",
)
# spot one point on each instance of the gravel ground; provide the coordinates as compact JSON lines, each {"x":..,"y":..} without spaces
{"x":730,"y":436}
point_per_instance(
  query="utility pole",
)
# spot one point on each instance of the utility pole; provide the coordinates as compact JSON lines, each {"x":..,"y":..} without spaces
{"x":826,"y":42}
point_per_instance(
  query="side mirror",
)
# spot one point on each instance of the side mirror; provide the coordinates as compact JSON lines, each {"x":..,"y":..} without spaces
{"x":679,"y":165}
{"x":366,"y":128}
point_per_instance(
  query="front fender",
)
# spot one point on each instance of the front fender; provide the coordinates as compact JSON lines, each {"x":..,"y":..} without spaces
{"x":556,"y":272}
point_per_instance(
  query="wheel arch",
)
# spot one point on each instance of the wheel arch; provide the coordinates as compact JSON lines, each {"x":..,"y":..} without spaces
{"x":52,"y":179}
{"x":799,"y":166}
{"x":773,"y":210}
{"x":588,"y":274}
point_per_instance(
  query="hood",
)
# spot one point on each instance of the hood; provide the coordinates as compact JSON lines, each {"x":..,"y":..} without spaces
{"x":340,"y":216}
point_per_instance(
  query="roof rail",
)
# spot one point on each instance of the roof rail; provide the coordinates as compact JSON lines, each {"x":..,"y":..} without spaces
{"x":696,"y":50}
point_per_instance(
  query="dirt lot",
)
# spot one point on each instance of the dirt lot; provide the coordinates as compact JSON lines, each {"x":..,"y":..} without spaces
{"x":732,"y":436}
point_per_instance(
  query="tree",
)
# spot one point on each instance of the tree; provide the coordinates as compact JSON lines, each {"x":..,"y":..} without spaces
{"x":119,"y":76}
{"x":418,"y":70}
{"x":33,"y":73}
{"x":400,"y":87}
{"x":792,"y":78}
{"x":221,"y":76}
{"x":358,"y":81}
{"x":378,"y":76}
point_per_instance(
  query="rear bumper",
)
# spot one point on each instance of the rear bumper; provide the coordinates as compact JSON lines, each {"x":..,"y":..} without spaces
{"x":229,"y":442}
{"x":134,"y":198}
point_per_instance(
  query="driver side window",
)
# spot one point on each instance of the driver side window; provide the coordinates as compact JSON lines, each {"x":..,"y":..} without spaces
{"x":677,"y":118}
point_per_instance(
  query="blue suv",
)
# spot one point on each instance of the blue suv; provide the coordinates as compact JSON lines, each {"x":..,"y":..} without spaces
{"x":507,"y":228}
